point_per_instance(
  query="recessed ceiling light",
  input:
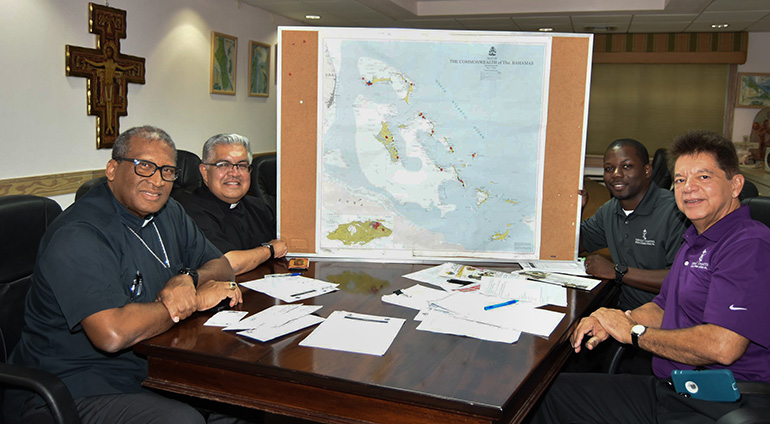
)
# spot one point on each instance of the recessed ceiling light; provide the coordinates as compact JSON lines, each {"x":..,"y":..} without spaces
{"x":599,"y":28}
{"x":545,"y":29}
{"x":313,"y":17}
{"x":719,"y":26}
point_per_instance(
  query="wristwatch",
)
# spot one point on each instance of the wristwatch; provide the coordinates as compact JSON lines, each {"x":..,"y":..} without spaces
{"x":272,"y":250}
{"x":637,"y":331}
{"x":620,"y":272}
{"x":192,"y":272}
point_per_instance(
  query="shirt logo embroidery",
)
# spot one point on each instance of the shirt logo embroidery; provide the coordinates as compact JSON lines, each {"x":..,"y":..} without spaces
{"x":737,"y":308}
{"x":700,"y":264}
{"x":643,"y":241}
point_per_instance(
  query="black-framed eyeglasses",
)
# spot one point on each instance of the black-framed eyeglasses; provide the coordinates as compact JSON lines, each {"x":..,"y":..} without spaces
{"x":225,"y":166}
{"x":145,"y":168}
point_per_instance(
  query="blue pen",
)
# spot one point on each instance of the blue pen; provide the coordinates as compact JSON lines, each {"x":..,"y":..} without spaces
{"x":293,"y":274}
{"x":497,"y":305}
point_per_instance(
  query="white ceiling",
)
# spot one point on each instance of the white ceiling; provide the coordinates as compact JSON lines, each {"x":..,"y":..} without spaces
{"x":597,"y":16}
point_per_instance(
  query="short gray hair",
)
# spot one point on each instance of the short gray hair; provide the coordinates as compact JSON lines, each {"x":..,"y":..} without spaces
{"x":147,"y":132}
{"x":233,"y":139}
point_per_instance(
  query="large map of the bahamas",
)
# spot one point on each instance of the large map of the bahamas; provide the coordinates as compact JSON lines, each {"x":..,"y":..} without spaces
{"x":431,"y":147}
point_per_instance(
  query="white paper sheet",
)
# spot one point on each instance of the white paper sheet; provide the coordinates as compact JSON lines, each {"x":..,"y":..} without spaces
{"x":291,"y":288}
{"x":415,"y":297}
{"x":520,"y":316}
{"x":225,"y":318}
{"x":265,"y":334}
{"x":353,"y":332}
{"x":564,"y":280}
{"x":518,"y":287}
{"x":438,"y":322}
{"x":577,"y":267}
{"x":274,"y":316}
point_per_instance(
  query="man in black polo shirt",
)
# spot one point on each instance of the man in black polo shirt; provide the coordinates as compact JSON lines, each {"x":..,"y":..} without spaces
{"x":121,"y":265}
{"x":641,"y":225}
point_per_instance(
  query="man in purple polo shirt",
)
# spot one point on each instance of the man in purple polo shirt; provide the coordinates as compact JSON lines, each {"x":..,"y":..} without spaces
{"x":711,"y":312}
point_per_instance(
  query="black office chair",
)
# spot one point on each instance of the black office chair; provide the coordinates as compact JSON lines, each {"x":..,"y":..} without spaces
{"x":749,"y":190}
{"x":661,"y":175}
{"x":189,"y":177}
{"x":88,"y":185}
{"x":759,"y":208}
{"x":23,"y":221}
{"x":264,"y":177}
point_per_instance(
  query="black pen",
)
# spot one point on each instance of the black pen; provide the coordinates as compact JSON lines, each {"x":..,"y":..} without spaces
{"x":301,"y":293}
{"x":463,"y":282}
{"x":382,"y":321}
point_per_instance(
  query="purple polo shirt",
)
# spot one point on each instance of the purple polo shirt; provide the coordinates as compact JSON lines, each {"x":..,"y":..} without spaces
{"x":722,"y":277}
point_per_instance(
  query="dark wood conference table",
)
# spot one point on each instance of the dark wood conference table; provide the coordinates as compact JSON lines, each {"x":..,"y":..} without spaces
{"x":424,"y":377}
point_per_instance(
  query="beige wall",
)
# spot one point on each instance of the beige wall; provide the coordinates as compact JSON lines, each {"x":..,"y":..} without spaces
{"x":45,"y":129}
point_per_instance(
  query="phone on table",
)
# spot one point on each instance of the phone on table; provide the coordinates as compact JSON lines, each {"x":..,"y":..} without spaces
{"x":298,"y":264}
{"x":713,"y":385}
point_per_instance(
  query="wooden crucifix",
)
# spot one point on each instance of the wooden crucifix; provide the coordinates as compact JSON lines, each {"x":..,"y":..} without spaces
{"x":108,"y":71}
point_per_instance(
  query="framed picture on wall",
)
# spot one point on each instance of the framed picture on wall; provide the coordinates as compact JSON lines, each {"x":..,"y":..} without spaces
{"x":753,"y":90}
{"x":259,"y":69}
{"x":224,"y":51}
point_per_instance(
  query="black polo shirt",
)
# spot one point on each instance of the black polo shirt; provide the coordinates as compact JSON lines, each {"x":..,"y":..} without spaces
{"x":648,"y":238}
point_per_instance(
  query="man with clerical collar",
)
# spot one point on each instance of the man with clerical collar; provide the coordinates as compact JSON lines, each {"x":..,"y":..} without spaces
{"x":711,"y":312}
{"x":640,"y":224}
{"x":120,"y":265}
{"x":242,"y":226}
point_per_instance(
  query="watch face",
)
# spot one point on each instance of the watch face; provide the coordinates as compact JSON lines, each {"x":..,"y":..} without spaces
{"x":638,"y":329}
{"x":621,"y":268}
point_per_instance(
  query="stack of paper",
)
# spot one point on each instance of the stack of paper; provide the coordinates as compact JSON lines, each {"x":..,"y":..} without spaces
{"x":564,"y":280}
{"x":273,"y":322}
{"x":291,"y":288}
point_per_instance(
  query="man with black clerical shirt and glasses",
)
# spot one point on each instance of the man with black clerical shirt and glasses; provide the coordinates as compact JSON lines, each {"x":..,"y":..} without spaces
{"x":640,"y":224}
{"x":242,"y":226}
{"x":121,"y":265}
{"x":712,"y":310}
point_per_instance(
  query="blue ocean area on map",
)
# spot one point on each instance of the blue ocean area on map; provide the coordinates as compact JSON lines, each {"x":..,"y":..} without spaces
{"x":437,"y":141}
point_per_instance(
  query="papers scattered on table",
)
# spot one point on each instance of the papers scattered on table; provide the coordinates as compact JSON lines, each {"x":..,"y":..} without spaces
{"x":291,"y":288}
{"x":445,"y":323}
{"x":415,"y":297}
{"x":564,"y":267}
{"x":274,"y":321}
{"x":352,"y":332}
{"x":467,"y":273}
{"x":520,"y":316}
{"x":516,"y":286}
{"x":570,"y":281}
{"x":451,"y":276}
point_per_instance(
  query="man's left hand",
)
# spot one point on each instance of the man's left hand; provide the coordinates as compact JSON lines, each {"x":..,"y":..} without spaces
{"x":600,"y":267}
{"x":280,"y":247}
{"x":616,"y":322}
{"x":212,"y":292}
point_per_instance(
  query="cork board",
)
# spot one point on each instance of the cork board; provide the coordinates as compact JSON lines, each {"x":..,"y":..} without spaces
{"x":563,"y":161}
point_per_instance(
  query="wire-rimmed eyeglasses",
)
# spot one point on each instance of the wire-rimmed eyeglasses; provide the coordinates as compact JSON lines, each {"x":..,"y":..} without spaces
{"x":225,"y":166}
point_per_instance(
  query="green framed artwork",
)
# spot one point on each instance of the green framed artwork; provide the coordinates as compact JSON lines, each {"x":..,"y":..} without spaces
{"x":224,"y":51}
{"x":753,"y":90}
{"x":259,"y":69}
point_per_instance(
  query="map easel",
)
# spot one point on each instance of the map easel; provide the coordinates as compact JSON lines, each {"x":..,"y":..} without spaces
{"x":570,"y":65}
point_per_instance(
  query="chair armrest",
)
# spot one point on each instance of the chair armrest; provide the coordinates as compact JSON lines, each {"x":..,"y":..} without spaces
{"x":745,"y":416}
{"x":48,"y":386}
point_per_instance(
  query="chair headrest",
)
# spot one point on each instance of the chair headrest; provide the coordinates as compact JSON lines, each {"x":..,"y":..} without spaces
{"x":24,"y":219}
{"x":190,"y":178}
